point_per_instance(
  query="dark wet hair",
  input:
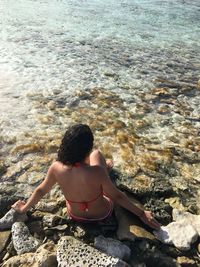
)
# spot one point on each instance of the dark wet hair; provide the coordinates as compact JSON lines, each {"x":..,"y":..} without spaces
{"x":76,"y":144}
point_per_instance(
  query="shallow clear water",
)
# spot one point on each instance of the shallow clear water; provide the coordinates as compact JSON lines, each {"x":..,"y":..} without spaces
{"x":65,"y":45}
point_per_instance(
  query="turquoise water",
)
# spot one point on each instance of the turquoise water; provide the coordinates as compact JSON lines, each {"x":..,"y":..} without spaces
{"x":65,"y":45}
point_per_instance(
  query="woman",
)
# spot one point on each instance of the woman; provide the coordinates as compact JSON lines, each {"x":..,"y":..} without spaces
{"x":83,"y":178}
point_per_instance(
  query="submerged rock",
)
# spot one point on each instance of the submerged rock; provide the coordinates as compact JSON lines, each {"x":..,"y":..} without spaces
{"x":10,"y":217}
{"x":112,"y":247}
{"x":22,"y":240}
{"x":72,"y":252}
{"x":3,"y":168}
{"x":175,"y":202}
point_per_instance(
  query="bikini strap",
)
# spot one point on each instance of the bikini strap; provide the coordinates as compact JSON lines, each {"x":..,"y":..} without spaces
{"x":89,"y":201}
{"x":84,"y":204}
{"x":76,"y":164}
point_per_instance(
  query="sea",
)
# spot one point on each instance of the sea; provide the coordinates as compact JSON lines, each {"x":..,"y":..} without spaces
{"x":68,"y":45}
{"x":128,"y":68}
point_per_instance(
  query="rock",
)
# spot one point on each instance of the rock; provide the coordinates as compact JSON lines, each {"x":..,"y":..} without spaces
{"x":4,"y":239}
{"x":15,"y":170}
{"x":177,"y":233}
{"x":161,"y":210}
{"x":149,"y":183}
{"x":3,"y":168}
{"x":129,"y":227}
{"x":47,"y":206}
{"x":186,"y":262}
{"x":6,"y":200}
{"x":112,"y":247}
{"x":187,"y":218}
{"x":22,"y":240}
{"x":36,"y":229}
{"x":61,"y":228}
{"x":50,"y":220}
{"x":198,"y":248}
{"x":158,"y":260}
{"x":175,"y":203}
{"x":72,"y":252}
{"x":139,"y":185}
{"x":52,"y":147}
{"x":45,"y":256}
{"x":198,"y":84}
{"x":38,"y":215}
{"x":10,"y":217}
{"x":51,"y":105}
{"x":79,"y":232}
{"x":151,"y":256}
{"x":186,"y":155}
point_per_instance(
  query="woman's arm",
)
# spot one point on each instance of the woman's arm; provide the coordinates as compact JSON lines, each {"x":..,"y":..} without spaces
{"x":38,"y":193}
{"x":121,"y":199}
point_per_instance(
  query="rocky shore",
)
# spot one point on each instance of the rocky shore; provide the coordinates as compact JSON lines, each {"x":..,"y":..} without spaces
{"x":153,"y":140}
{"x":46,"y":236}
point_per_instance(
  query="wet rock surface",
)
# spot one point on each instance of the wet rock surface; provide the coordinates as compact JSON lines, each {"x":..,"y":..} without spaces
{"x":152,"y":137}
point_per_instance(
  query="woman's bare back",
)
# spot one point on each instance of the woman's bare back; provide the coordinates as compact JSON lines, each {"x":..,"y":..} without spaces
{"x":82,"y":184}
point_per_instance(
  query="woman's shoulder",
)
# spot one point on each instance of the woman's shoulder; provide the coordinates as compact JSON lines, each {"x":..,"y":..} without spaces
{"x":58,"y":166}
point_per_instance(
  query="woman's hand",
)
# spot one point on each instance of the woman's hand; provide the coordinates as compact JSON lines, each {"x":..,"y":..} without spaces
{"x":148,"y":219}
{"x":19,"y":206}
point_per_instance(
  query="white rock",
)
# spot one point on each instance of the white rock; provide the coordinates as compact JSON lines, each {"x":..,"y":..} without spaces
{"x":112,"y":247}
{"x":188,"y":218}
{"x":179,"y":233}
{"x":163,"y":235}
{"x":11,"y":217}
{"x":22,"y":240}
{"x":72,"y":252}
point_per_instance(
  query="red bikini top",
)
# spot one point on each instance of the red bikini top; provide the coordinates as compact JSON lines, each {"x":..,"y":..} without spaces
{"x":83,"y":205}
